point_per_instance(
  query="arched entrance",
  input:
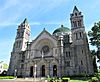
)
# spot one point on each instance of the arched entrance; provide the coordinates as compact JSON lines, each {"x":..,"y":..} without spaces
{"x":31,"y":71}
{"x":43,"y":71}
{"x":54,"y":70}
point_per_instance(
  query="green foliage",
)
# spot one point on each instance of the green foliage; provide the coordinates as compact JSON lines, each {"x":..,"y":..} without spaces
{"x":64,"y":78}
{"x":95,"y":78}
{"x":5,"y":66}
{"x":94,"y":64}
{"x":93,"y":52}
{"x":94,"y":35}
{"x":78,"y":81}
{"x":97,"y":75}
{"x":7,"y":77}
{"x":48,"y":79}
{"x":99,"y":71}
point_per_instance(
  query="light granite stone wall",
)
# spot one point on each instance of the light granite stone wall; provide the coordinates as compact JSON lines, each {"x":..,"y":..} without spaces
{"x":70,"y":55}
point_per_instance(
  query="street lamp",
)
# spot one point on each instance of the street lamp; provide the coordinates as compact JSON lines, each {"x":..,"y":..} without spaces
{"x":42,"y":54}
{"x":35,"y":71}
{"x":15,"y":73}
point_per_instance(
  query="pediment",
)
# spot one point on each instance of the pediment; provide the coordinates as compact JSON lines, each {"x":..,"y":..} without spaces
{"x":44,"y":36}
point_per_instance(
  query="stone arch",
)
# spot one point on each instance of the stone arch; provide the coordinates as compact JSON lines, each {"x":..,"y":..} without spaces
{"x":55,"y":70}
{"x":41,"y":65}
{"x":31,"y":71}
{"x":44,"y":41}
{"x":38,"y":46}
{"x":42,"y":70}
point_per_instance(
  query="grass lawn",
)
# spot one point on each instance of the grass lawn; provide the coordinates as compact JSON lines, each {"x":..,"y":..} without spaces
{"x":78,"y":81}
{"x":72,"y":79}
{"x":95,"y":78}
{"x":7,"y":77}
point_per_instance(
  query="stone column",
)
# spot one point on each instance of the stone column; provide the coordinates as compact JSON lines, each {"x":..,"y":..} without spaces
{"x":48,"y":67}
{"x":61,"y":62}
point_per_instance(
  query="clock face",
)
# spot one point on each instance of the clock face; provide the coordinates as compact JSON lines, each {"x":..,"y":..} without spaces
{"x":45,"y":49}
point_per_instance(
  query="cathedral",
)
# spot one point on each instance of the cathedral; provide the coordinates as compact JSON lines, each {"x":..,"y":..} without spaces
{"x":65,"y":52}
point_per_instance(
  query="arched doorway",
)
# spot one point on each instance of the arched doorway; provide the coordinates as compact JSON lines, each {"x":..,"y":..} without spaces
{"x":54,"y":70}
{"x":31,"y":71}
{"x":43,"y":71}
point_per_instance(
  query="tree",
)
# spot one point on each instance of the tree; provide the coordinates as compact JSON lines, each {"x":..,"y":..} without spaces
{"x":94,"y":35}
{"x":93,"y":52}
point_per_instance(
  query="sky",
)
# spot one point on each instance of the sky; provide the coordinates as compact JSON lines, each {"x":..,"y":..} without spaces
{"x":48,"y":14}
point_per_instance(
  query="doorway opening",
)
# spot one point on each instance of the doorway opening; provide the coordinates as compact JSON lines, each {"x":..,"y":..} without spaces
{"x":31,"y":71}
{"x":54,"y":70}
{"x":43,"y":71}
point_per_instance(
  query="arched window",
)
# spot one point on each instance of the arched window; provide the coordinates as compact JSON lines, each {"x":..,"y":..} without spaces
{"x":68,"y":63}
{"x":76,"y":36}
{"x":81,"y":62}
{"x":79,"y":23}
{"x":75,"y":24}
{"x":75,"y":14}
{"x":55,"y":51}
{"x":16,"y":44}
{"x":68,"y":54}
{"x":80,"y":34}
{"x":82,"y":51}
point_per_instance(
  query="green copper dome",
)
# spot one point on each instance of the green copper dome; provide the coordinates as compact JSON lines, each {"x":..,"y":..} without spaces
{"x":62,"y":29}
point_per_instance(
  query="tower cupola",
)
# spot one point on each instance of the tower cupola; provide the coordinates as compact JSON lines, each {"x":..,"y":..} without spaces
{"x":76,"y":19}
{"x":22,"y":36}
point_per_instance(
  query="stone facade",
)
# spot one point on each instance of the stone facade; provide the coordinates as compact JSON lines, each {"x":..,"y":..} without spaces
{"x":63,"y":53}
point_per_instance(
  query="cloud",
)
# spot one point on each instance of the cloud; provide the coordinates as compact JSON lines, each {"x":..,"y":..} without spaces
{"x":11,"y":11}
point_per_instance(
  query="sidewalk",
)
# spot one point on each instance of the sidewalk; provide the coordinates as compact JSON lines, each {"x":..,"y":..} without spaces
{"x":30,"y":79}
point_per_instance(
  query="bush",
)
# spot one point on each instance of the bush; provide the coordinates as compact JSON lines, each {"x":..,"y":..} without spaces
{"x":65,"y":79}
{"x":54,"y":79}
{"x":94,"y":79}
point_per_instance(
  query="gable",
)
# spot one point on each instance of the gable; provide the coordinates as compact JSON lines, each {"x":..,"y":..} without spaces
{"x":44,"y":37}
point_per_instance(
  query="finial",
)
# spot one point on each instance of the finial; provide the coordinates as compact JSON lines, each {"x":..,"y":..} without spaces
{"x":62,"y":26}
{"x":44,"y":29}
{"x":75,"y":9}
{"x":25,"y":20}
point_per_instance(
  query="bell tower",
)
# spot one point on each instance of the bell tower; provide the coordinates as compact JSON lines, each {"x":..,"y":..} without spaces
{"x":83,"y":60}
{"x":76,"y":19}
{"x":77,"y":25}
{"x":22,"y":37}
{"x":20,"y":44}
